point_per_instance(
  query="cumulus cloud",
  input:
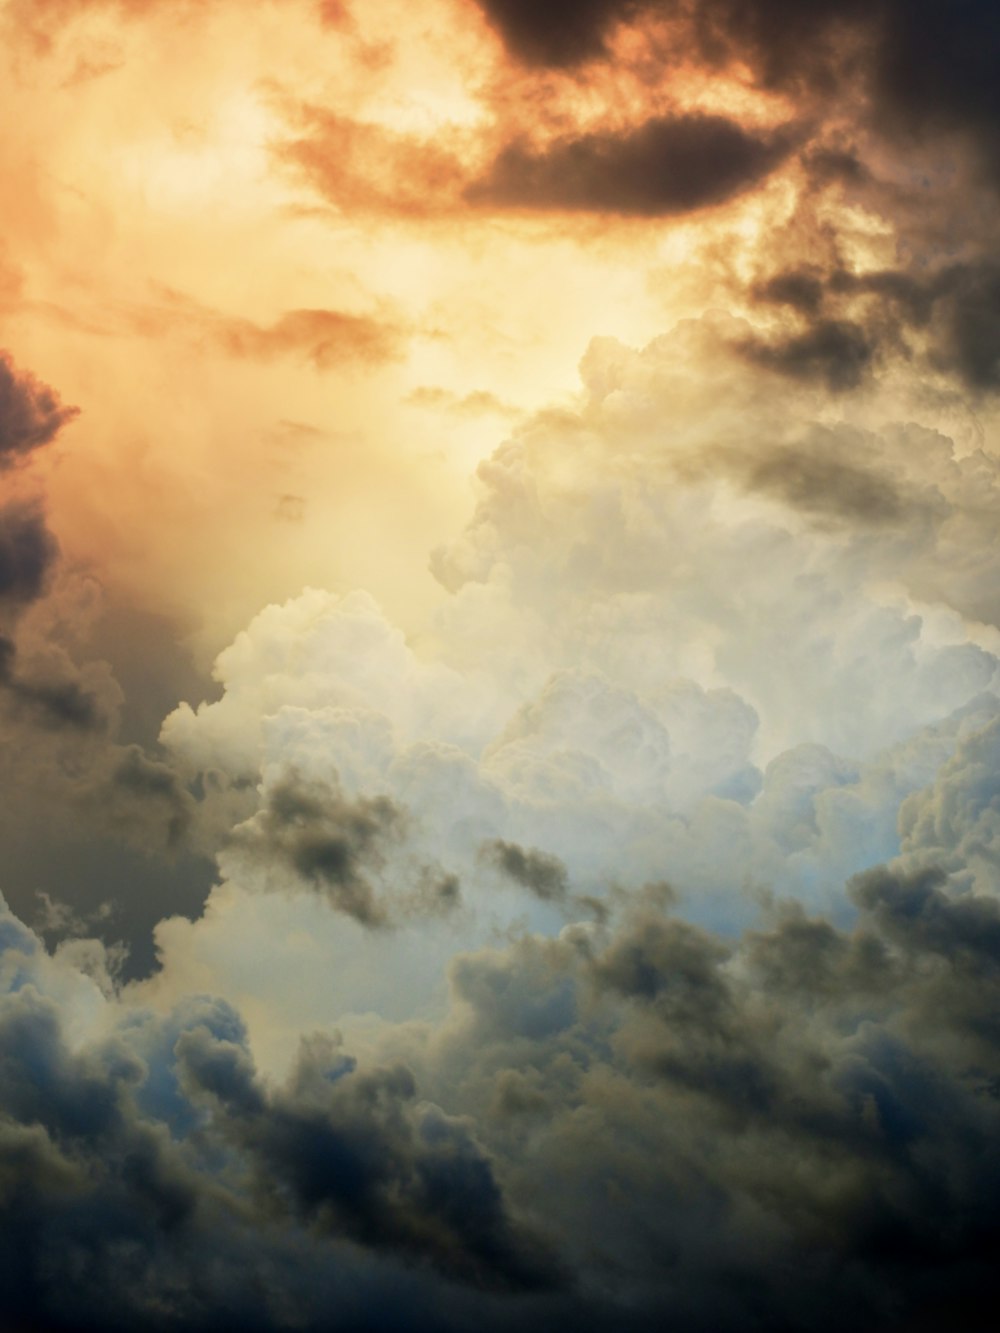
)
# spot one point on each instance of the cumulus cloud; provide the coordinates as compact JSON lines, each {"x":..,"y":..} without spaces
{"x":133,"y":1142}
{"x":601,"y":711}
{"x":619,"y":947}
{"x":658,"y":1076}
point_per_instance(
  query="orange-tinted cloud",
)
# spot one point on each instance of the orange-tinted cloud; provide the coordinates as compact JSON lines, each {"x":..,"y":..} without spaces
{"x":323,"y":338}
{"x":365,"y":168}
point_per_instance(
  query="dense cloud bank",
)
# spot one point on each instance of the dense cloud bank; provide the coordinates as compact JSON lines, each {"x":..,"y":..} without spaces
{"x":740,"y":1134}
{"x":703,"y":848}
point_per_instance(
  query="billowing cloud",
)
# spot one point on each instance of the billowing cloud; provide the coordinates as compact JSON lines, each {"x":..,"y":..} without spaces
{"x":677,"y":1070}
{"x":579,"y":907}
{"x":116,"y":1137}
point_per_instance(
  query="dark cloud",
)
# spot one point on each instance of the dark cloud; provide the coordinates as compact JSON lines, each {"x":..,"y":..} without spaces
{"x":926,"y":66}
{"x":316,"y":836}
{"x":540,"y":873}
{"x":150,"y":657}
{"x":800,"y":288}
{"x":954,"y":310}
{"x":666,"y":166}
{"x":913,"y":909}
{"x":27,"y":552}
{"x":785,"y":44}
{"x":815,"y":1092}
{"x":438,"y":893}
{"x":559,"y":33}
{"x":354,"y":1154}
{"x":144,"y":797}
{"x":964,"y":318}
{"x":53,"y":703}
{"x":85,"y":1179}
{"x":935,"y":69}
{"x":100,"y":850}
{"x":821,"y":477}
{"x":152,"y":1180}
{"x":788,"y":1129}
{"x":31,"y":414}
{"x":833,"y":351}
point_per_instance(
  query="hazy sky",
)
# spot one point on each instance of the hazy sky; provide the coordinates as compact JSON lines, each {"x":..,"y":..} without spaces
{"x":499,"y":665}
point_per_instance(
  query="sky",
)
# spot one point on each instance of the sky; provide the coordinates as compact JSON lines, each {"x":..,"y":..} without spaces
{"x":499,"y":666}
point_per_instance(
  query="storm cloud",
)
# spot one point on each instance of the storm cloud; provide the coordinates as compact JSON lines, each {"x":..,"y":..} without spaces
{"x":666,"y":166}
{"x":561,"y":898}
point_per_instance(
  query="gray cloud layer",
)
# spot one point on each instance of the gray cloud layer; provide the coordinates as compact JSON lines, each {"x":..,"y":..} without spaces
{"x":664,"y":167}
{"x":811,"y":1111}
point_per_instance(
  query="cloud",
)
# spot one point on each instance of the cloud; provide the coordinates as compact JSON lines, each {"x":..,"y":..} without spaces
{"x":543,"y":875}
{"x":363,"y":167}
{"x":677,"y":1071}
{"x":666,"y":166}
{"x":480,"y":402}
{"x":319,"y":838}
{"x":324,"y":338}
{"x":834,"y":351}
{"x":933,"y":71}
{"x":945,"y":319}
{"x":28,"y":551}
{"x":705,"y":1067}
{"x":825,"y":476}
{"x":596,"y":709}
{"x":145,"y":796}
{"x":713,"y":677}
{"x":31,"y":414}
{"x":927,"y":68}
{"x":55,"y":703}
{"x":146,"y":1164}
{"x":560,"y":34}
{"x":354,"y":1153}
